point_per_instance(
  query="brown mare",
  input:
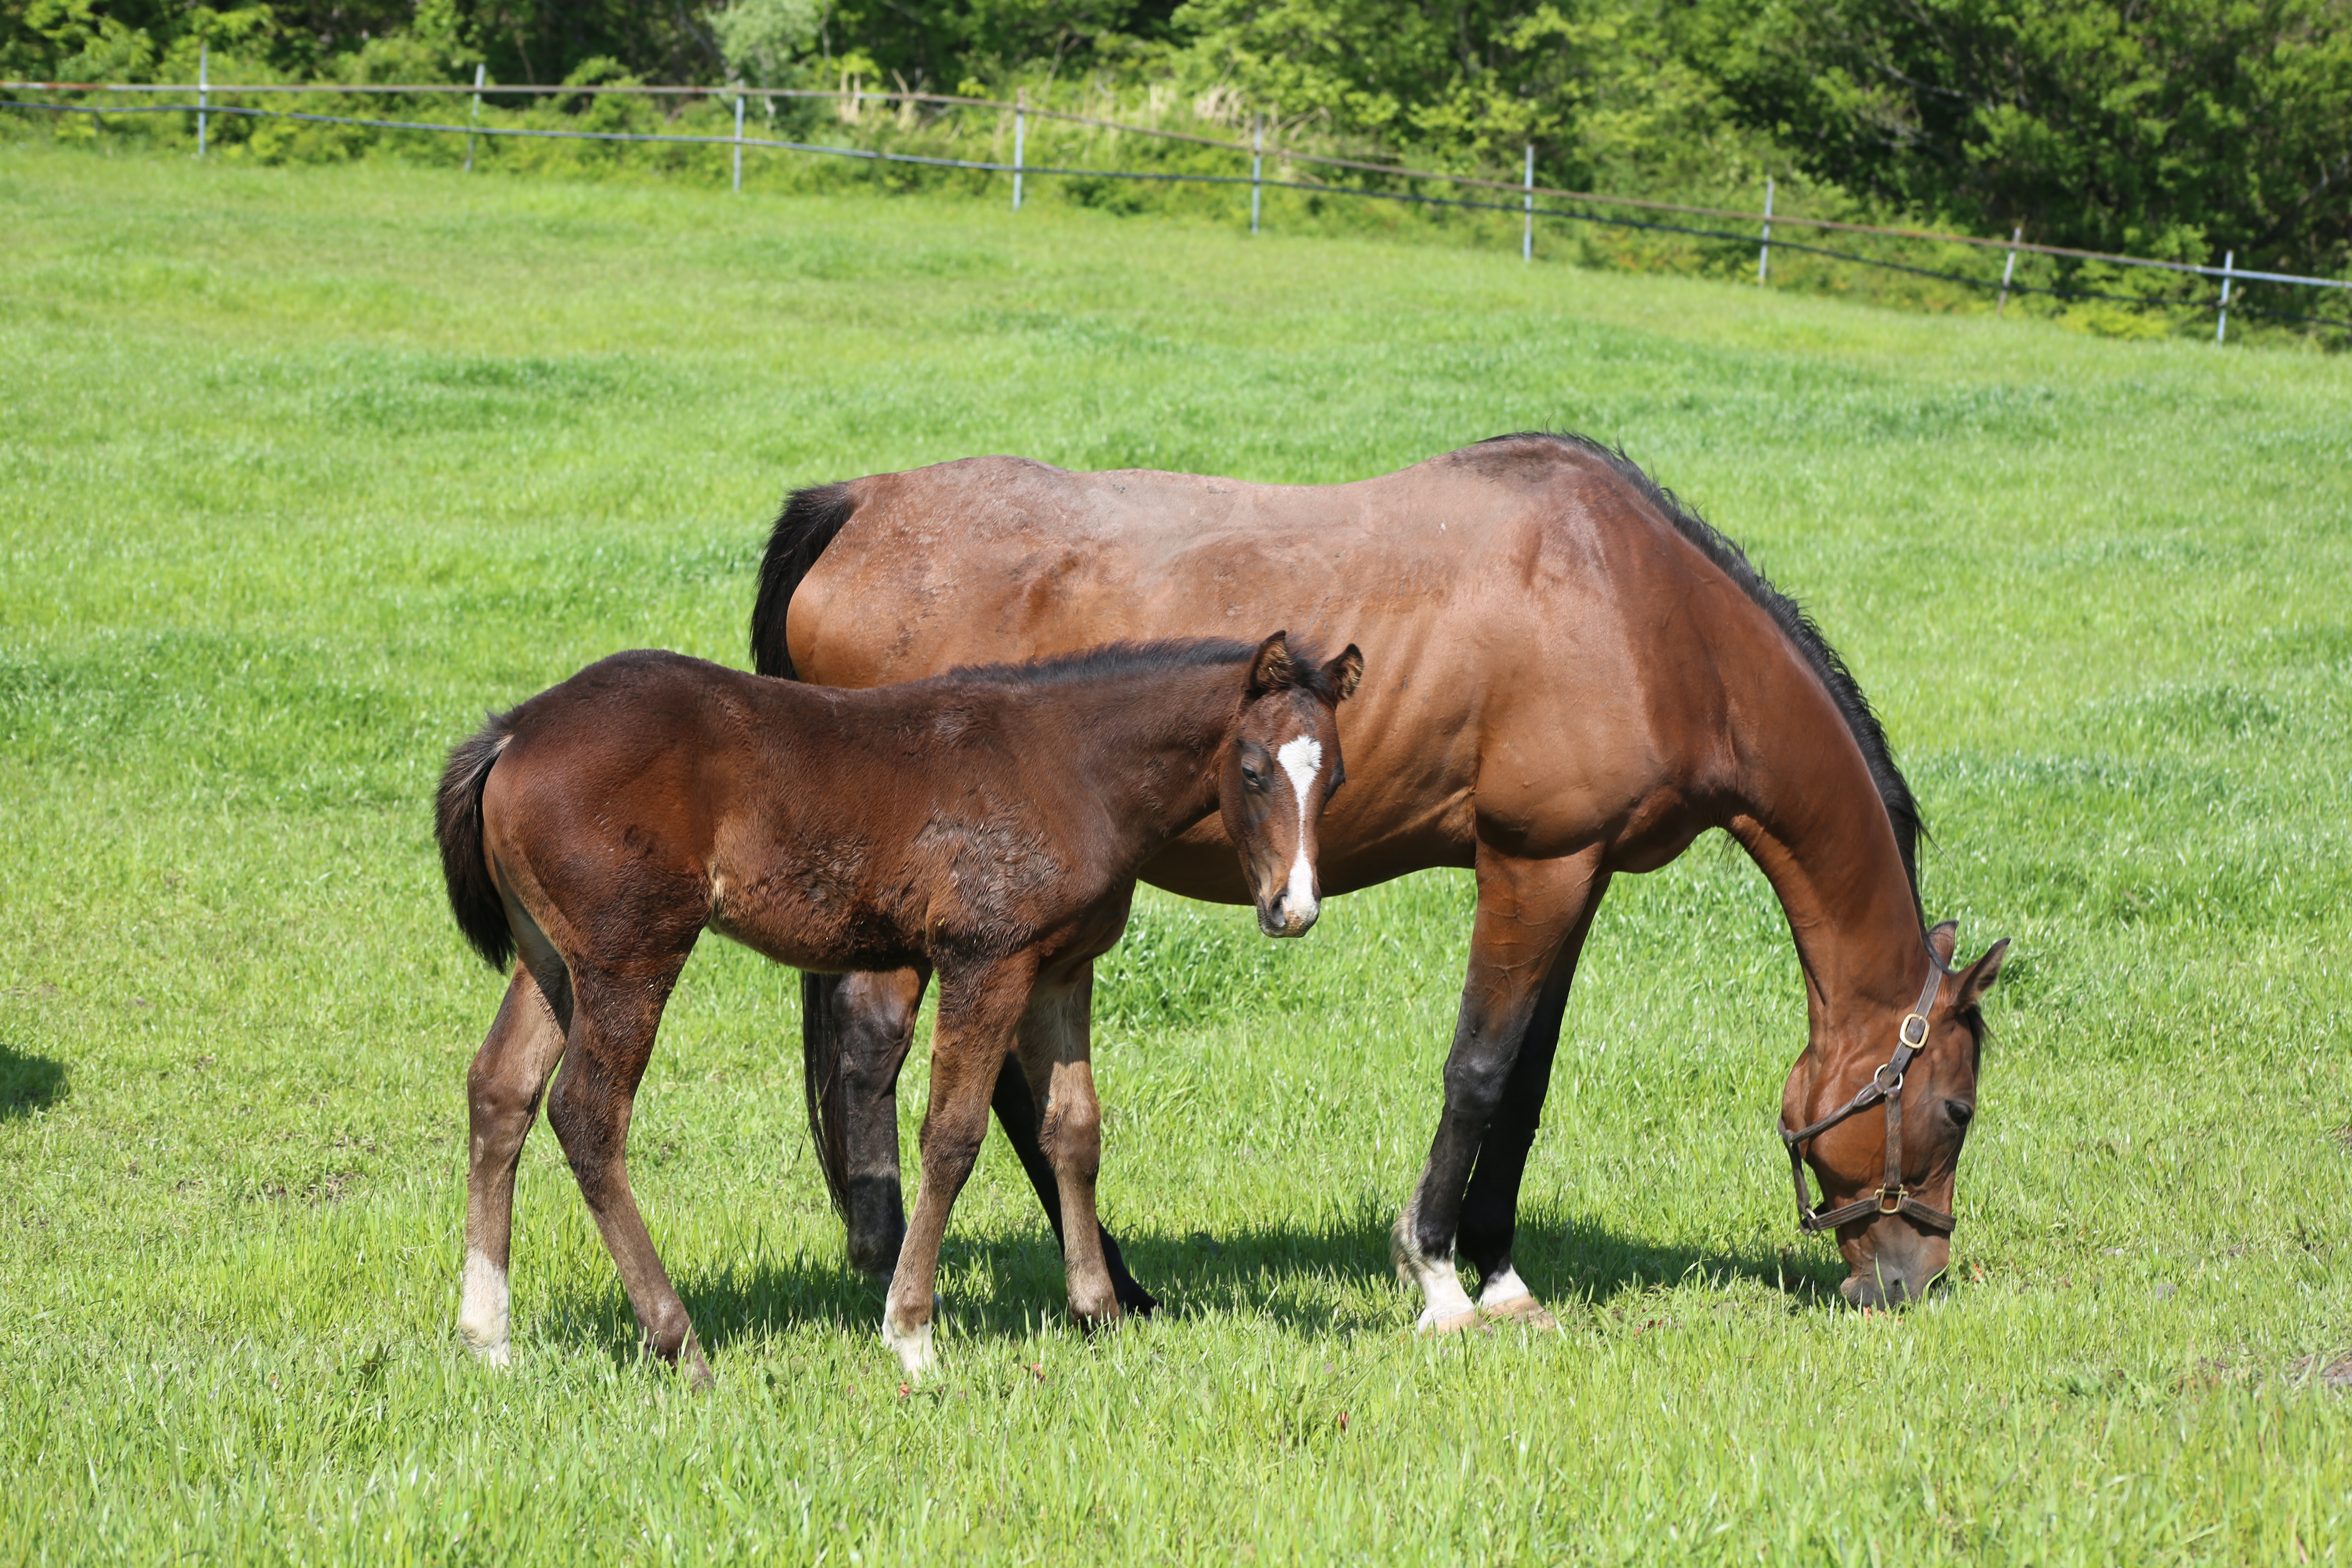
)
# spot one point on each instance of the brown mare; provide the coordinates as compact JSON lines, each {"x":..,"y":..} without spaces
{"x":1577,"y":677}
{"x":987,"y":824}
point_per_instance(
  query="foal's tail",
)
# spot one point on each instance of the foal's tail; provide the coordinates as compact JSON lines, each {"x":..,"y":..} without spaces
{"x":457,"y":823}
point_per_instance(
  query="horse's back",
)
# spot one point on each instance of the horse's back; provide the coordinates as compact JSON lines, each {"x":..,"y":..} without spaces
{"x":1505,"y":596}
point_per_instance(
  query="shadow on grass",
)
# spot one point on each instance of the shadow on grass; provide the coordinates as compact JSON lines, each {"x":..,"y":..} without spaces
{"x":28,"y":1083}
{"x":1309,"y":1276}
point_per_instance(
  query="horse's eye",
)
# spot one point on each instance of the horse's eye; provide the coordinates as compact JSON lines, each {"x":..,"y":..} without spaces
{"x":1253,"y":778}
{"x":1337,"y":780}
{"x":1961,"y":1114}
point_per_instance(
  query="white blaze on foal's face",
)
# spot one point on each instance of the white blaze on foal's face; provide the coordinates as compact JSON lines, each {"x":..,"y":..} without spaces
{"x":1301,"y":760}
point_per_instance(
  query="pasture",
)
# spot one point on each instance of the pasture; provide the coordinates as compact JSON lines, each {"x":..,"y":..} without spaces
{"x":300,"y":469}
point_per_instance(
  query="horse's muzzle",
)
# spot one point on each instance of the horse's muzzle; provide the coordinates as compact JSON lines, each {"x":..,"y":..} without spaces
{"x":1283,"y":916}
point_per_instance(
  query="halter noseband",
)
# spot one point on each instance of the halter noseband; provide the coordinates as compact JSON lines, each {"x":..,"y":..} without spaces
{"x":1887,"y":1085}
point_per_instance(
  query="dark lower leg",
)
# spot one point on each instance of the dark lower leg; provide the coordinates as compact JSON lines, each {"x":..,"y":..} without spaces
{"x":1490,"y":1207}
{"x":869,"y":1021}
{"x":1016,"y":1113}
{"x":1527,"y":911}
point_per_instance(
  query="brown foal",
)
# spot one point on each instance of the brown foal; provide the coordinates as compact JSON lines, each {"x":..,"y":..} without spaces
{"x":986,"y":825}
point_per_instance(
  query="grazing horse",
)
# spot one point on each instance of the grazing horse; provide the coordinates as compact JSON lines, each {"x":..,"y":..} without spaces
{"x":1579,"y":677}
{"x":987,"y":824}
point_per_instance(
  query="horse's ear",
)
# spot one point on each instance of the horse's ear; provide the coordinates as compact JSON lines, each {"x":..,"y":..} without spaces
{"x":1271,"y":669}
{"x":1344,"y":672}
{"x":1943,"y":941}
{"x":1981,"y":975}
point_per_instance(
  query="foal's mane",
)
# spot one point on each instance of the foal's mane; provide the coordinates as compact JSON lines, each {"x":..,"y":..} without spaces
{"x":1799,"y":627}
{"x":1144,"y":659}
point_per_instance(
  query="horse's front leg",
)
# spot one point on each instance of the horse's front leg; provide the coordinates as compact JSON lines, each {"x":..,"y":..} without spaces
{"x":980,"y":1012}
{"x":1531,"y":915}
{"x":1058,"y":1074}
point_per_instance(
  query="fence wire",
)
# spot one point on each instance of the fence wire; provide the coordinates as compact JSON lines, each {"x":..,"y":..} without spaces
{"x":1523,"y":205}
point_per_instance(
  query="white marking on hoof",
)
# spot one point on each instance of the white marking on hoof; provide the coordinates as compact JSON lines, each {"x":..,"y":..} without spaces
{"x":1447,"y":1305}
{"x":913,"y":1346}
{"x":482,"y":1314}
{"x":1505,"y":1287}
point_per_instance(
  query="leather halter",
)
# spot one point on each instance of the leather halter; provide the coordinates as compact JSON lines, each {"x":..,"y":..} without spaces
{"x":1886,"y":1085}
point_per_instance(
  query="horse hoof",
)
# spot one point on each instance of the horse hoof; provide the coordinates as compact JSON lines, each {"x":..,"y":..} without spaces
{"x":1525,"y":1311}
{"x":1452,"y":1323}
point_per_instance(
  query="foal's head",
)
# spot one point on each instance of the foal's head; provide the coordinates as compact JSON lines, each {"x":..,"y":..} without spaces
{"x":1282,"y":762}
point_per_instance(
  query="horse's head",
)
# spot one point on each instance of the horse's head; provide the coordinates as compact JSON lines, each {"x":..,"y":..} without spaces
{"x":1888,"y":1157}
{"x":1282,"y":762}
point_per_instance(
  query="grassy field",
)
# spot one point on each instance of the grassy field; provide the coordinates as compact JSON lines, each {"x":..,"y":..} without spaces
{"x":300,"y":469}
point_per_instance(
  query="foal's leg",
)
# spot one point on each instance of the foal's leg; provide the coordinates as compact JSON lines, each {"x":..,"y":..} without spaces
{"x":1527,"y":911}
{"x":1017,"y":1113}
{"x":978,"y":1014}
{"x":614,"y":1017}
{"x":502,"y":1092}
{"x":1059,"y":1075}
{"x":863,"y":1024}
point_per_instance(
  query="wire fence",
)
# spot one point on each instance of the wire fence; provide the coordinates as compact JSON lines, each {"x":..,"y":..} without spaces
{"x":1524,"y":198}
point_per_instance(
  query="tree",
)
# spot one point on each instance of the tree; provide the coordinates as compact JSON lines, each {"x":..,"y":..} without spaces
{"x":2176,"y":128}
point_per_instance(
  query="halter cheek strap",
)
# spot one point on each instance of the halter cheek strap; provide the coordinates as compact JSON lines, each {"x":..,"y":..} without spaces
{"x":1885,"y":1086}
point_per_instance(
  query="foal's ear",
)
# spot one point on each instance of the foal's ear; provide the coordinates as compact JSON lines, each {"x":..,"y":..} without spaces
{"x":1270,"y":669}
{"x":1943,"y":941}
{"x":1344,"y":672}
{"x":1981,"y":975}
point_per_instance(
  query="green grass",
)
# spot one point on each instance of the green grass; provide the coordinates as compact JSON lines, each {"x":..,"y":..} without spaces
{"x":300,"y":469}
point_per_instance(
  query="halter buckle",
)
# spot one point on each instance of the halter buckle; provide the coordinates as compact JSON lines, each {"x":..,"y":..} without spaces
{"x":1890,"y":1199}
{"x":1904,"y":1032}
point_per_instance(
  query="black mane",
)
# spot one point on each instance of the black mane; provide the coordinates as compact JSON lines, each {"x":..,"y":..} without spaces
{"x":1143,"y":659}
{"x":1803,"y":634}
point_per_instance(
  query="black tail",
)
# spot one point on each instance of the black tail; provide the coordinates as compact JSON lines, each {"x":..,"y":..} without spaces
{"x":808,"y":523}
{"x":821,"y":1077}
{"x":457,"y":823}
{"x":810,"y":520}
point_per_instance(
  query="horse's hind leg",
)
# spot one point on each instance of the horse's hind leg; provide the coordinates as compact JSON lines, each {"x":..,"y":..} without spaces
{"x":614,"y":1017}
{"x":502,"y":1090}
{"x":1059,"y":1077}
{"x":1529,"y":912}
{"x":855,"y":1029}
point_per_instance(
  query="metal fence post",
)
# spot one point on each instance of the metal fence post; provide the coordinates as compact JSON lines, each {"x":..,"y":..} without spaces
{"x":2008,"y":268}
{"x":739,"y":143}
{"x":474,"y":117}
{"x":1257,"y":164}
{"x":1764,"y":253}
{"x":2221,"y":327}
{"x":1020,"y":130}
{"x":1527,"y":227}
{"x":203,"y":95}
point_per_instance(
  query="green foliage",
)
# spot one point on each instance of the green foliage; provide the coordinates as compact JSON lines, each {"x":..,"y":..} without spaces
{"x":2173,"y":128}
{"x":300,"y":469}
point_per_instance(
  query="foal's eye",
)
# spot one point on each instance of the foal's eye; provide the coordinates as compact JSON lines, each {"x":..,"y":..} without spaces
{"x":1337,"y":780}
{"x":1251,"y":777}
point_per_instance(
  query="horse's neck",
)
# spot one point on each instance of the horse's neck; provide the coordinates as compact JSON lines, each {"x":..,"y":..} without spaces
{"x":1816,"y":826}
